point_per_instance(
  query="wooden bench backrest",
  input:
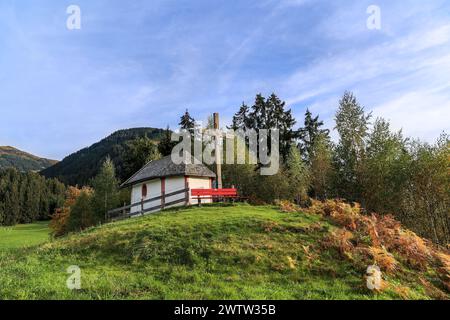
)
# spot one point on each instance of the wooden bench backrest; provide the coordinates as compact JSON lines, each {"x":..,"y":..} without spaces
{"x":214,"y":192}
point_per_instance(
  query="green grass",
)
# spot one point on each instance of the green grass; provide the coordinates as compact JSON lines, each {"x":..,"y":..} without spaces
{"x":235,"y":252}
{"x":23,"y":235}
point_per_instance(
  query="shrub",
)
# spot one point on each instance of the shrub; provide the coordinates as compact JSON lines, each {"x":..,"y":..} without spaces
{"x":443,"y":262}
{"x":65,"y":220}
{"x":58,"y":224}
{"x":411,"y":247}
{"x":383,"y":259}
{"x":340,"y":240}
{"x":287,"y":206}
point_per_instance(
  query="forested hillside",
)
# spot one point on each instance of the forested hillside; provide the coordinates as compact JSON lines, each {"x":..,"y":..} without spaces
{"x":27,"y":197}
{"x":78,"y":168}
{"x":13,"y":158}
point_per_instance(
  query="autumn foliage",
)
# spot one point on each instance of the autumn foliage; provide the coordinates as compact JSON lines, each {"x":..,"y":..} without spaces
{"x":379,"y":240}
{"x":60,"y":219}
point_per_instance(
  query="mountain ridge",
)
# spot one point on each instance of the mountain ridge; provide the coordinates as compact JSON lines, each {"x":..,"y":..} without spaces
{"x":79,"y":167}
{"x":11,"y":157}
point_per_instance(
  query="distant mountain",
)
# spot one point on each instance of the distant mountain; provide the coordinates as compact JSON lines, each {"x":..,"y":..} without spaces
{"x":13,"y":158}
{"x":80,"y":167}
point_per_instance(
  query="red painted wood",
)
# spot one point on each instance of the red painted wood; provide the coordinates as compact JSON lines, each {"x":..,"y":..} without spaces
{"x":214,"y":192}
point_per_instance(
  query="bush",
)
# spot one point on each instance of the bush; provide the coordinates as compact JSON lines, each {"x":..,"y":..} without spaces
{"x":81,"y":214}
{"x":65,"y":218}
{"x":364,"y":238}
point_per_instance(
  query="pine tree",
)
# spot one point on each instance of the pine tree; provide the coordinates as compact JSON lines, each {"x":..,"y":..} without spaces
{"x":106,"y":194}
{"x":12,"y":198}
{"x":139,"y":152}
{"x":241,"y":118}
{"x":281,"y":119}
{"x":166,"y":144}
{"x":269,"y":114}
{"x":309,"y":133}
{"x":258,"y":115}
{"x":187,"y":122}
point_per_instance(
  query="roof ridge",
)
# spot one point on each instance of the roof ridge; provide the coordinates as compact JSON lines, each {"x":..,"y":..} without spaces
{"x":134,"y":175}
{"x":165,"y":167}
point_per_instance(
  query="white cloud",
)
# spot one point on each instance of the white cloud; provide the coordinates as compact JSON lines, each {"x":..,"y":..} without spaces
{"x":422,"y":114}
{"x":406,"y":79}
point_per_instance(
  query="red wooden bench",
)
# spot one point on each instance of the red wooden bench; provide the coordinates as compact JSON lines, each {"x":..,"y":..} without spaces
{"x":214,"y":194}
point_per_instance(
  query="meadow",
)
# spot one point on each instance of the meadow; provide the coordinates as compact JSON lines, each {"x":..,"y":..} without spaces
{"x":213,"y":252}
{"x":24,"y":235}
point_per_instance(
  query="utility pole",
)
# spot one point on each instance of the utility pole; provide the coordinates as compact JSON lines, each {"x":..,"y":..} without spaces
{"x":218,"y":155}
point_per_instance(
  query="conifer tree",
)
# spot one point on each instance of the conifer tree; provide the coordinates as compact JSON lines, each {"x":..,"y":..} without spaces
{"x":309,"y":133}
{"x":187,"y":122}
{"x":269,"y":114}
{"x":166,"y":144}
{"x":241,"y":118}
{"x":139,"y":152}
{"x":105,"y":186}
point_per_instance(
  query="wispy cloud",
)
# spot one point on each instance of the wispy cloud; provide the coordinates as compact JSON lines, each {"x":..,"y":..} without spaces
{"x":141,"y":64}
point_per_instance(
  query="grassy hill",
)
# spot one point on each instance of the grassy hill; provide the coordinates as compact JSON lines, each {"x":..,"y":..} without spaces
{"x":213,"y":252}
{"x":13,"y":158}
{"x":78,"y":168}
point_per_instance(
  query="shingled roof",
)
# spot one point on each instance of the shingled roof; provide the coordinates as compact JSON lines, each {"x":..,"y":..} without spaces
{"x":166,"y":168}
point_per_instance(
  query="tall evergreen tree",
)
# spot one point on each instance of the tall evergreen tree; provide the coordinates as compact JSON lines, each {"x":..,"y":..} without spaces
{"x":283,"y":120}
{"x":258,"y":114}
{"x":139,"y":152}
{"x":309,"y":133}
{"x":269,"y":114}
{"x":187,"y":122}
{"x":106,"y":194}
{"x":27,"y":197}
{"x":241,"y":118}
{"x":12,"y":198}
{"x":166,"y":144}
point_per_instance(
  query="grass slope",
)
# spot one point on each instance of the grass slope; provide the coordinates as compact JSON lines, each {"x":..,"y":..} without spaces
{"x":23,"y":235}
{"x":235,"y":252}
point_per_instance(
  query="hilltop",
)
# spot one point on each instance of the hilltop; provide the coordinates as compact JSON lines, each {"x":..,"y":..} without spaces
{"x":214,"y":252}
{"x":79,"y":167}
{"x":11,"y":157}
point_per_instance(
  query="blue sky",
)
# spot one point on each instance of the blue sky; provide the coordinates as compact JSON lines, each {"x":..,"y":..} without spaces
{"x":142,"y":63}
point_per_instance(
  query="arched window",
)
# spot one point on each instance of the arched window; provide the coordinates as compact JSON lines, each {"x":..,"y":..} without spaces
{"x":144,"y":190}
